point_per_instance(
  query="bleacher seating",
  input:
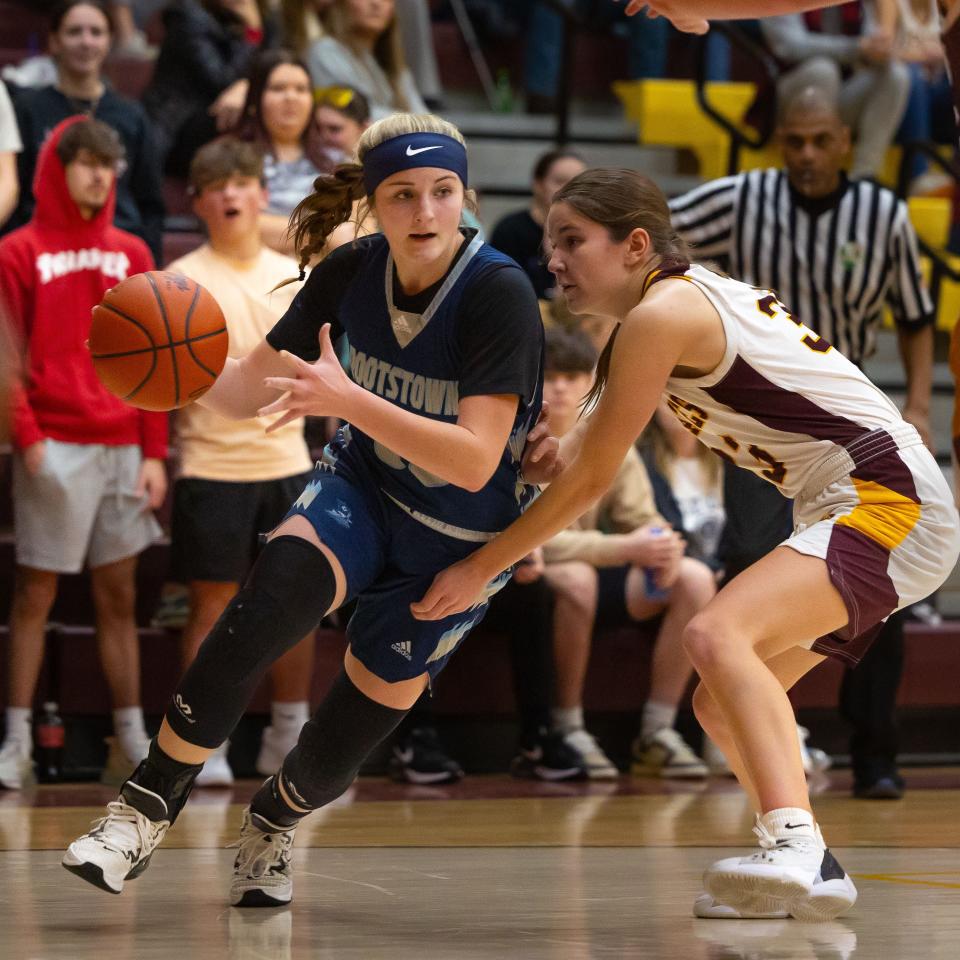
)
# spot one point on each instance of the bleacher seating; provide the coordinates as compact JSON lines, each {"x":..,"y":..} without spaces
{"x":667,"y":114}
{"x":23,"y":27}
{"x":179,"y":243}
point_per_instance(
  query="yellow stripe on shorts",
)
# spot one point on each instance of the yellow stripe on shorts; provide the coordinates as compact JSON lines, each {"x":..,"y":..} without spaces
{"x":884,"y":515}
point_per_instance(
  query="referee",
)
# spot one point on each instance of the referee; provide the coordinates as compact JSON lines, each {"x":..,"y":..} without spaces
{"x":836,"y":251}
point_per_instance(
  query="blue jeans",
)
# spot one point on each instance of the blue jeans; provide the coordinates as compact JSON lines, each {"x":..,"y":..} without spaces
{"x":648,"y":40}
{"x":929,"y":114}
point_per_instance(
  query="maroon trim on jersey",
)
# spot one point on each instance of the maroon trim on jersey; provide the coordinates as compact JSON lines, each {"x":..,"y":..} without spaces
{"x":672,"y":265}
{"x":858,"y":569}
{"x":744,"y":390}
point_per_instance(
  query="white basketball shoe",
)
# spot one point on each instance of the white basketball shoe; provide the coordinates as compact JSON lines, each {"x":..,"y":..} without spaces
{"x":706,"y":907}
{"x":799,"y":873}
{"x":261,"y":872}
{"x":119,"y":845}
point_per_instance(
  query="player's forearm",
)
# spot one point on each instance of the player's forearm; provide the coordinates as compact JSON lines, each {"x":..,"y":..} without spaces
{"x":572,"y":440}
{"x":236,"y":394}
{"x":735,"y":9}
{"x":566,"y":499}
{"x":449,"y":451}
{"x":916,"y":353}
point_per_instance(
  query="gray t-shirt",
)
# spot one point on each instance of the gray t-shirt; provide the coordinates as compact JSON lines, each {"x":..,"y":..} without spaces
{"x":10,"y":141}
{"x":288,"y":183}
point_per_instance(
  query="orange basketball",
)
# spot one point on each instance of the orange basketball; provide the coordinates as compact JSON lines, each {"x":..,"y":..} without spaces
{"x":158,"y":340}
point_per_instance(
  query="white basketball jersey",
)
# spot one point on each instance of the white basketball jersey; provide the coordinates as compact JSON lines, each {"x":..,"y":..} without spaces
{"x":782,"y":402}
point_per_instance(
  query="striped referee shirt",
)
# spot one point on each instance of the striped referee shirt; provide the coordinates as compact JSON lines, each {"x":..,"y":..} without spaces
{"x":834,"y":264}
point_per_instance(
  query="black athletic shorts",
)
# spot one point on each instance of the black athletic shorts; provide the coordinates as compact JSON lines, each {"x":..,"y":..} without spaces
{"x":217,"y":524}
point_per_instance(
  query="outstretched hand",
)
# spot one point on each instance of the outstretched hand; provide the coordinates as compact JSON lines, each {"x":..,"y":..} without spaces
{"x":453,"y":590}
{"x":319,"y":389}
{"x":676,"y":11}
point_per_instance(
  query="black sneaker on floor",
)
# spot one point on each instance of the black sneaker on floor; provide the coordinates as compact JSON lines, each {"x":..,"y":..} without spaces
{"x":420,"y":758}
{"x":882,"y":788}
{"x":550,"y":758}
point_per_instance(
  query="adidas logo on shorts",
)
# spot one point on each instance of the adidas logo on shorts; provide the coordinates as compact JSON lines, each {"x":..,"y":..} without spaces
{"x":404,"y":648}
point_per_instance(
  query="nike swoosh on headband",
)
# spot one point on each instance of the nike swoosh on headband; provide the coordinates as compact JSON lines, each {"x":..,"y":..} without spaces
{"x":411,"y":152}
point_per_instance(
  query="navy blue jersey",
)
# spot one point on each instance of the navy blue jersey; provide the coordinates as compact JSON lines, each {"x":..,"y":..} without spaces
{"x":477,"y":331}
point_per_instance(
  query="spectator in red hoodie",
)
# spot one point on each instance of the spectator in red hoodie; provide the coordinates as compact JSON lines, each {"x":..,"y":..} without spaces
{"x":88,"y":470}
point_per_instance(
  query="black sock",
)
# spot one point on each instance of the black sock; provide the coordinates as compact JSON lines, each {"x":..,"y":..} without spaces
{"x":269,"y":805}
{"x":332,"y":745}
{"x":167,"y":778}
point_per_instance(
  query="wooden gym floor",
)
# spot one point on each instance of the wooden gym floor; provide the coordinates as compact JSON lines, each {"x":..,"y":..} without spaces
{"x":487,"y":868}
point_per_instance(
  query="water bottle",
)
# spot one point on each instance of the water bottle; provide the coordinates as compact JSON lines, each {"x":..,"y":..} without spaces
{"x":50,"y":737}
{"x":503,"y":101}
{"x":650,"y":587}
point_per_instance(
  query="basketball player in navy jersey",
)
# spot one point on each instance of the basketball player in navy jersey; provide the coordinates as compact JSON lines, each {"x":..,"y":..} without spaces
{"x":445,"y":382}
{"x":875,"y":528}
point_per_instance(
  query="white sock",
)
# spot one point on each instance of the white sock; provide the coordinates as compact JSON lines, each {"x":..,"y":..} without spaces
{"x":656,"y":716}
{"x":786,"y":822}
{"x":18,"y":724}
{"x":128,"y":725}
{"x":289,"y":716}
{"x":566,"y":719}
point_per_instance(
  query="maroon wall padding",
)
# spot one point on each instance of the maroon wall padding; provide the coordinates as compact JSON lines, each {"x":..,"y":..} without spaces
{"x":479,"y":678}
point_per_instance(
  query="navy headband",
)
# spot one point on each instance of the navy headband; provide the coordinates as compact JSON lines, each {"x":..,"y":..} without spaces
{"x":412,"y":150}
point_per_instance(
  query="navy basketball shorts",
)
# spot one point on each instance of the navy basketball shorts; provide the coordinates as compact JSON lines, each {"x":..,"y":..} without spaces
{"x":389,"y":559}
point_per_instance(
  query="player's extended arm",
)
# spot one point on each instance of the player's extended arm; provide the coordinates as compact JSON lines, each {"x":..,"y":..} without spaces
{"x":692,"y":16}
{"x":239,"y":392}
{"x":465,"y":453}
{"x":916,"y":352}
{"x":648,"y":348}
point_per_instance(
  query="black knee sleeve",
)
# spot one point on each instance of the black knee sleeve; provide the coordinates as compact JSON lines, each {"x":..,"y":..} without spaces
{"x":290,"y":588}
{"x":332,"y":746}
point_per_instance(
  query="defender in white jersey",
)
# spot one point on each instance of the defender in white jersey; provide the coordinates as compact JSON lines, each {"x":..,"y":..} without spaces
{"x":875,"y":530}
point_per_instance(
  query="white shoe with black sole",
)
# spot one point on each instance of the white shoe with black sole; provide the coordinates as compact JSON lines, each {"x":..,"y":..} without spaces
{"x":261,"y":871}
{"x":798,"y":873}
{"x":119,"y":846}
{"x":666,"y":754}
{"x":590,"y":755}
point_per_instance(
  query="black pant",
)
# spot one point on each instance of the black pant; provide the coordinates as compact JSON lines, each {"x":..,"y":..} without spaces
{"x":758,"y":518}
{"x":868,"y":698}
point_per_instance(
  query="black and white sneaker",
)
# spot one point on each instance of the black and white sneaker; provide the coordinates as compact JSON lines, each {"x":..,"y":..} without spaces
{"x":420,"y":758}
{"x":119,"y":846}
{"x":261,"y":871}
{"x":548,"y":758}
